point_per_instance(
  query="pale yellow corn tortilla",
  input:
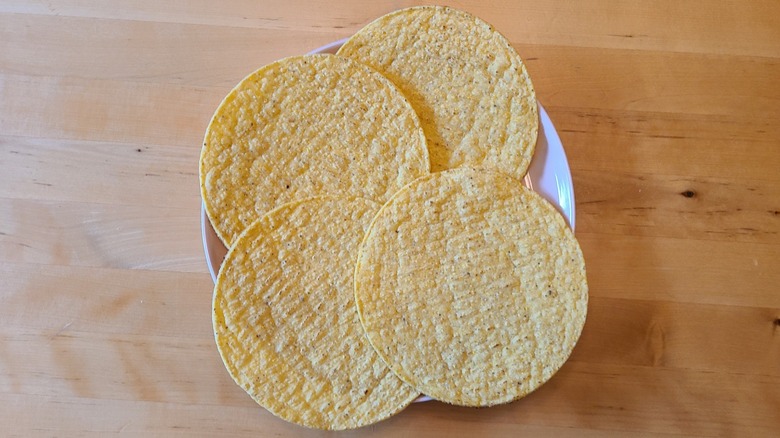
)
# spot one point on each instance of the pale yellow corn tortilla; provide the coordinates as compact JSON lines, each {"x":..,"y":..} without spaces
{"x":306,"y":126}
{"x":471,"y":287}
{"x":467,"y":83}
{"x":285,"y":320}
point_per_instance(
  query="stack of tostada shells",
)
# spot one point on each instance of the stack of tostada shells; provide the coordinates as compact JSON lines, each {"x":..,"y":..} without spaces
{"x":381,"y":242}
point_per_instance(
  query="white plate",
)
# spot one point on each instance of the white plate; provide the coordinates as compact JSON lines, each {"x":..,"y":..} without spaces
{"x":548,"y":175}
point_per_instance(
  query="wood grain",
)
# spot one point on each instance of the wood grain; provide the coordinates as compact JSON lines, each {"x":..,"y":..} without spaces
{"x":672,"y":206}
{"x":702,"y":27}
{"x":43,"y":169}
{"x":669,"y":144}
{"x":682,"y":270}
{"x":668,"y":112}
{"x":76,"y":234}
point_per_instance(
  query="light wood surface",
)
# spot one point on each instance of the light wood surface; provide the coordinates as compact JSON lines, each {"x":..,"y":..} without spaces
{"x":669,"y":112}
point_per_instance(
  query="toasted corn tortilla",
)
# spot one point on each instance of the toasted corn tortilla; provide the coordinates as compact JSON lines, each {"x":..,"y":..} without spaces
{"x":464,"y":79}
{"x":285,"y":320}
{"x":307,"y":126}
{"x":471,"y":287}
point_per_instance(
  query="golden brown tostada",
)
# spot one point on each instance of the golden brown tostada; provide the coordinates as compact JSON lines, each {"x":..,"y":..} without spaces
{"x":306,"y":126}
{"x":466,"y":82}
{"x":285,"y":320}
{"x":471,"y":287}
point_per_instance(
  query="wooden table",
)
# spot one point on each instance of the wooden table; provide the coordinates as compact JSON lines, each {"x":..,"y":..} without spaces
{"x":669,"y":112}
